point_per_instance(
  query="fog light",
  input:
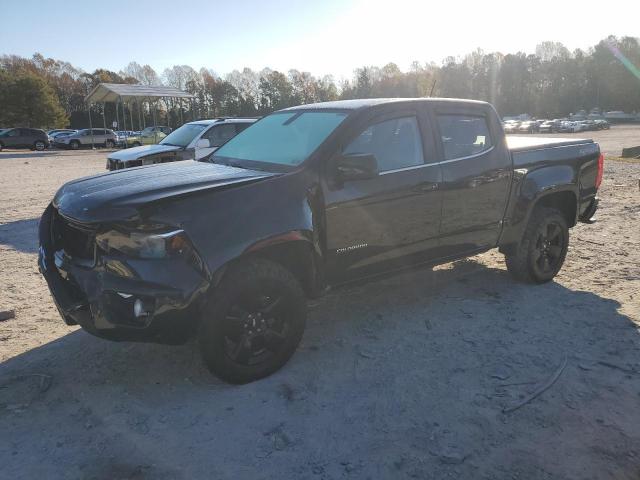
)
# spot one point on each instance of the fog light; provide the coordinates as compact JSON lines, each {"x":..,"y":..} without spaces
{"x":139,"y":309}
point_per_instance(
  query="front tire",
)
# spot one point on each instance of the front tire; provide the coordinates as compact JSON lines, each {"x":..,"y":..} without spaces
{"x":75,"y":145}
{"x":541,"y":252}
{"x":39,"y":146}
{"x":109,"y":144}
{"x":253,"y":322}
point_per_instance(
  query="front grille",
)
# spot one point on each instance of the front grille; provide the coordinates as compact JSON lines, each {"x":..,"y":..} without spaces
{"x":117,"y":165}
{"x":77,"y":241}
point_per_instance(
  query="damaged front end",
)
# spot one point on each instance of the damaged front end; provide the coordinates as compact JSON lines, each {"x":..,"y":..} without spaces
{"x":122,"y":283}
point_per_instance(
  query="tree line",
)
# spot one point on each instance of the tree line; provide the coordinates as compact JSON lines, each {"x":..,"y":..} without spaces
{"x":552,"y":82}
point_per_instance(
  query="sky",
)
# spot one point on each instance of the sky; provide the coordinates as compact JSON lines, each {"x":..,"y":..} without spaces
{"x":322,"y":37}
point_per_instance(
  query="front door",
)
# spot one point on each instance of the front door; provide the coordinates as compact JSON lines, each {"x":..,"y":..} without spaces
{"x":390,"y":221}
{"x":15,"y":138}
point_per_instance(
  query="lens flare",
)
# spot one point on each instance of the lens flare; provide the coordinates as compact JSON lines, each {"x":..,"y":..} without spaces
{"x":624,"y":60}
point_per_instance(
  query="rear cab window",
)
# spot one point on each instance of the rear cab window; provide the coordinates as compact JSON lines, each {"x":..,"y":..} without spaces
{"x":464,"y":135}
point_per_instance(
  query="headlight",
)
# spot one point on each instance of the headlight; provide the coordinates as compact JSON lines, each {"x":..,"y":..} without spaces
{"x":145,"y":245}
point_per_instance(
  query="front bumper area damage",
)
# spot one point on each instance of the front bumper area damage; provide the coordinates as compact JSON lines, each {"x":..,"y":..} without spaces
{"x":114,"y":296}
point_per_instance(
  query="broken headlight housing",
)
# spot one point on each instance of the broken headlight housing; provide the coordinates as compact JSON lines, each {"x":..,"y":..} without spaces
{"x":142,"y":244}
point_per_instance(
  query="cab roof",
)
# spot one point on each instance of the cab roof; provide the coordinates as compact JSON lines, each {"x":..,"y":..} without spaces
{"x":362,"y":103}
{"x":223,"y":120}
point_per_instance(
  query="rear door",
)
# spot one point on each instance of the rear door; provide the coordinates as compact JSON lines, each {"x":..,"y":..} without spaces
{"x":476,"y":177}
{"x":390,"y":221}
{"x":98,"y":136}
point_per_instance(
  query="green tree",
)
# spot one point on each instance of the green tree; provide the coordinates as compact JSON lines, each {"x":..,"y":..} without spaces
{"x":27,"y":100}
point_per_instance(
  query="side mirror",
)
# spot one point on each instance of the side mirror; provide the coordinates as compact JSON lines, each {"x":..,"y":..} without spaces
{"x":359,"y":166}
{"x":203,"y":143}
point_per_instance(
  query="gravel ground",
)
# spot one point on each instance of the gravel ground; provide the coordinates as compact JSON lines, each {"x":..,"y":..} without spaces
{"x":419,"y":376}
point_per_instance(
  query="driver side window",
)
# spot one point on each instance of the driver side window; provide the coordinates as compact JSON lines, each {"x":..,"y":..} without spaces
{"x":396,"y":143}
{"x":220,"y":134}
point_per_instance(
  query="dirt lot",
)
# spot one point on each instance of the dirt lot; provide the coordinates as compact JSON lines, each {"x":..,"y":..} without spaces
{"x":408,"y":377}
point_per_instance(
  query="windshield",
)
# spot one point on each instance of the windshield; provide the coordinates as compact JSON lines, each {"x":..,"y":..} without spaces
{"x":183,"y":135}
{"x":285,"y":138}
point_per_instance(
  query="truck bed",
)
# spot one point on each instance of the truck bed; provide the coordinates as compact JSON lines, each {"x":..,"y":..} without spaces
{"x":518,"y":144}
{"x":527,"y":151}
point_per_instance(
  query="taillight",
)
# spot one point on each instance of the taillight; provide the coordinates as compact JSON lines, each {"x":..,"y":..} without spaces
{"x":600,"y":170}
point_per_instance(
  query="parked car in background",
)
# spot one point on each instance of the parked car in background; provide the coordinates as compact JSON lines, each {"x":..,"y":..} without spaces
{"x":153,"y":135}
{"x":192,"y":141}
{"x":86,"y":138}
{"x":511,"y":126}
{"x":527,"y":127}
{"x":589,"y":125}
{"x":57,"y":134}
{"x":307,"y":198}
{"x":128,"y":138}
{"x":581,"y":126}
{"x":52,"y":133}
{"x":550,"y":126}
{"x":32,"y":138}
{"x":568,"y":127}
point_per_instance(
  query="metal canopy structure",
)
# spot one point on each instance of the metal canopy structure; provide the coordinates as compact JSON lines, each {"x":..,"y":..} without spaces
{"x":121,"y":93}
{"x":114,"y":92}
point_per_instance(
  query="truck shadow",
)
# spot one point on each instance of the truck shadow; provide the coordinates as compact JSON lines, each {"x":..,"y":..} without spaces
{"x":404,"y":376}
{"x":21,"y":235}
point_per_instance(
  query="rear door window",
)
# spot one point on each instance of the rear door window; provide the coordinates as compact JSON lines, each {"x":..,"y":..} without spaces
{"x":464,"y":135}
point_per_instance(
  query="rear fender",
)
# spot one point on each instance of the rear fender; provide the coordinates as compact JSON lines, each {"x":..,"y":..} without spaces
{"x":532,"y":188}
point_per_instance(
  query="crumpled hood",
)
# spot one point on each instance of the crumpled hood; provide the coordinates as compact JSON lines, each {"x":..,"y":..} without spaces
{"x":136,"y":153}
{"x":118,"y":195}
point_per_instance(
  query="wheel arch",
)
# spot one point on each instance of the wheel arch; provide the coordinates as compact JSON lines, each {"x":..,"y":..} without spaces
{"x":530,"y":195}
{"x":294,"y":250}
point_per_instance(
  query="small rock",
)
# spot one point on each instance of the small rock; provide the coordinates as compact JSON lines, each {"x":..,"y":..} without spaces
{"x":452,"y":457}
{"x":7,"y":315}
{"x":501,"y":373}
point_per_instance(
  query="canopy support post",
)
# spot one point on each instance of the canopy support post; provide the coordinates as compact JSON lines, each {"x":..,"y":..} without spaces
{"x":104,"y":119}
{"x":117,"y":116}
{"x":130,"y":117}
{"x":124,"y":117}
{"x":93,"y":146}
{"x":155,"y":123}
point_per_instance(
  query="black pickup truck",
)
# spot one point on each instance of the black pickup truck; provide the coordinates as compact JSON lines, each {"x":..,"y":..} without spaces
{"x":305,"y":199}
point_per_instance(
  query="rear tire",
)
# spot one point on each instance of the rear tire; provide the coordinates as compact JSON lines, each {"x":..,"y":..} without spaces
{"x":541,"y":252}
{"x":1,"y":146}
{"x":253,"y":322}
